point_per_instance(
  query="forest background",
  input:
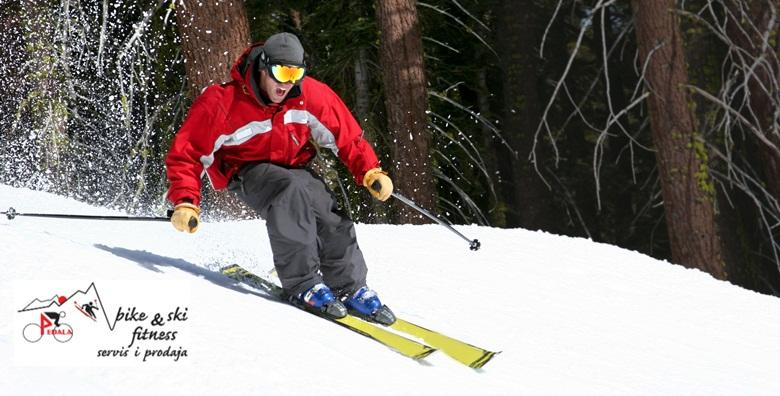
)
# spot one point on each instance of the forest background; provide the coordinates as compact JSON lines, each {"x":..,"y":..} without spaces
{"x":651,"y":124}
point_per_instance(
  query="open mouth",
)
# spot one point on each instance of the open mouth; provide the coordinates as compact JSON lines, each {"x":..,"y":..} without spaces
{"x":281,"y":91}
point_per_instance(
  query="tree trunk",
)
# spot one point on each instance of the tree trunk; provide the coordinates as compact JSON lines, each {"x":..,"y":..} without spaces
{"x":362,"y":108}
{"x":213,"y":34}
{"x":401,"y":59}
{"x":747,"y":22}
{"x":362,"y":89}
{"x":528,"y":199}
{"x":615,"y":227}
{"x":491,"y":149}
{"x":44,"y":104}
{"x":686,"y":186}
{"x":14,"y":56}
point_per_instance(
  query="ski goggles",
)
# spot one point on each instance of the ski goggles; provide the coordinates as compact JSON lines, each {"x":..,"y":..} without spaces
{"x":286,"y":74}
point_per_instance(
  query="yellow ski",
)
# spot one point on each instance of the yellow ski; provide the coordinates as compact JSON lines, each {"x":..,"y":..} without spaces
{"x":467,"y":354}
{"x":396,"y":342}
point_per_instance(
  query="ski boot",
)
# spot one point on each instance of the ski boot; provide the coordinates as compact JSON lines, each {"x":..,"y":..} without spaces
{"x":320,"y":299}
{"x":365,"y":304}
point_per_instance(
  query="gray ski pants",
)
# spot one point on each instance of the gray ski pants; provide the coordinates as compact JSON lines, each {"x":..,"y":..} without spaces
{"x":311,"y":239}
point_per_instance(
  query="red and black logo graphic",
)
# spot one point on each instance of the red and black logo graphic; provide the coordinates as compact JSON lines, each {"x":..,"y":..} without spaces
{"x":49,"y":325}
{"x":51,"y":314}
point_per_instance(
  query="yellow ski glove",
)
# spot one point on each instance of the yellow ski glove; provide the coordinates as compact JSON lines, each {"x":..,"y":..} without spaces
{"x":378,"y":184}
{"x":186,"y":217}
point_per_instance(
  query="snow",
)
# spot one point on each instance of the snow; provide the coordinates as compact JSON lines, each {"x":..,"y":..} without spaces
{"x":570,"y":316}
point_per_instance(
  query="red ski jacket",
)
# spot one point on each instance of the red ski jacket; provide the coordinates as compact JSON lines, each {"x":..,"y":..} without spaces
{"x":230,"y":125}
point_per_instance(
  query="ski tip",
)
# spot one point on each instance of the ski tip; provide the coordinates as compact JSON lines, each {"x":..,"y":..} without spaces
{"x":483,"y":360}
{"x":424,"y":353}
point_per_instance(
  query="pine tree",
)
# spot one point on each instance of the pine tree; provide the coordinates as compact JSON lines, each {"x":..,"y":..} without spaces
{"x":687,"y":187}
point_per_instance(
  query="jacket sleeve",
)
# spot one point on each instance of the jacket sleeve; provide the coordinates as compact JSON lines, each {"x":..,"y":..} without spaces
{"x":194,"y":140}
{"x":334,"y":127}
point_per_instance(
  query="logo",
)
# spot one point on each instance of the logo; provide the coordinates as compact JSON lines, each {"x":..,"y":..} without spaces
{"x":135,"y":328}
{"x":51,"y":321}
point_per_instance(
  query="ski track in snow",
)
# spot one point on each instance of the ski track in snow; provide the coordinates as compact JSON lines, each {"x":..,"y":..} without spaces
{"x":571,"y":316}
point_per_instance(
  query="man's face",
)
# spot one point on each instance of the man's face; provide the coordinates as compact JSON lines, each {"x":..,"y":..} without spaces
{"x":275,"y":91}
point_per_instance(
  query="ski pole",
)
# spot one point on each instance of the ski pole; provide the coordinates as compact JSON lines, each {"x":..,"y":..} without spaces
{"x":12,"y":213}
{"x":473,"y":244}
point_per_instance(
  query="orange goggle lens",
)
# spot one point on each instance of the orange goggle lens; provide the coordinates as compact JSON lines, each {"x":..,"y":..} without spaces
{"x":287,"y":74}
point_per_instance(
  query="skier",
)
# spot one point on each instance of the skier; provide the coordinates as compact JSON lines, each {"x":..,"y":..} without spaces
{"x":253,"y":135}
{"x":89,"y":308}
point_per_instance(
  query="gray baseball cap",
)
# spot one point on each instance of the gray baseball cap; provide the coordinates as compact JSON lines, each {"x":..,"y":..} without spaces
{"x":283,"y":48}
